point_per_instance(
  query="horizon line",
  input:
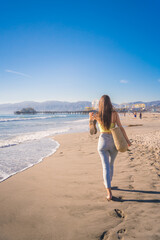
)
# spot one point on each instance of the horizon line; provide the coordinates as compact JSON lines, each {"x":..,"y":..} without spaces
{"x":74,"y":101}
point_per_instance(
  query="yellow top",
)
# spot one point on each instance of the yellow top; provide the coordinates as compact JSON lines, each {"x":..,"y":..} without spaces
{"x":105,"y":130}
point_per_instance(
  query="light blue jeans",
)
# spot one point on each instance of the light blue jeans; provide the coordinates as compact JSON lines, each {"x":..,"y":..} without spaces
{"x":108,"y":153}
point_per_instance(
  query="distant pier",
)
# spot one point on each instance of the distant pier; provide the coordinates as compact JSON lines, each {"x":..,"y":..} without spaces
{"x":66,"y":112}
{"x":32,"y":111}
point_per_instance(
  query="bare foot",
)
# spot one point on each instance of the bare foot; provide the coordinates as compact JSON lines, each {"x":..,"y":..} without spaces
{"x":109,"y":194}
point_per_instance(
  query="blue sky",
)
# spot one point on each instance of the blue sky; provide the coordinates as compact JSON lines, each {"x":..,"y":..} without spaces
{"x":79,"y":50}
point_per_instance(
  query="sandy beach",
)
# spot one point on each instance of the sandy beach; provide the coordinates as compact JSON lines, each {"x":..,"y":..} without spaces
{"x":63,"y":197}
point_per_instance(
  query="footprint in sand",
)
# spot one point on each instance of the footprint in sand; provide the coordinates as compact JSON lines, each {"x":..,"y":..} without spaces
{"x":130,"y":153}
{"x":131,"y":187}
{"x":121,"y":232}
{"x":103,"y":236}
{"x":119,"y":213}
{"x":61,"y":154}
{"x":119,"y":235}
{"x":131,"y":178}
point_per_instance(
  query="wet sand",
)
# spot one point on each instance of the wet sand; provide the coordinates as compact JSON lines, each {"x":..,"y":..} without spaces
{"x":63,"y":197}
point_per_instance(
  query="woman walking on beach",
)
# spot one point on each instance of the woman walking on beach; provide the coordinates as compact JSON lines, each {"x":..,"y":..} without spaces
{"x":107,"y":118}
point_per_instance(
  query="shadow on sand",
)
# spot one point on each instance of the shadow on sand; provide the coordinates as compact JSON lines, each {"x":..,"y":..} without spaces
{"x":120,"y":199}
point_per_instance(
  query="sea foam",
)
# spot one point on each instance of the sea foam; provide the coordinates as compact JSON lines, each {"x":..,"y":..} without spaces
{"x":30,"y":137}
{"x":25,"y":143}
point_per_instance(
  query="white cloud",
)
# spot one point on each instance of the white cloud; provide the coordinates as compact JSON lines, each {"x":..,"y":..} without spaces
{"x":123,"y":81}
{"x":18,"y":73}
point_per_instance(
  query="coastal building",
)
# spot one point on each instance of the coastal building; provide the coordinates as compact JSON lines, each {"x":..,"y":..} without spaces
{"x":88,"y":108}
{"x":140,"y":105}
{"x":94,"y":106}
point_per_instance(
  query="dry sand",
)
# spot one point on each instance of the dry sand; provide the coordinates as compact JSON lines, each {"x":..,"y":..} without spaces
{"x":63,"y":197}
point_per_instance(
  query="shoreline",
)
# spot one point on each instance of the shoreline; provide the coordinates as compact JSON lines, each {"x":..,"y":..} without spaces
{"x":14,"y":154}
{"x":39,"y":161}
{"x":63,"y":197}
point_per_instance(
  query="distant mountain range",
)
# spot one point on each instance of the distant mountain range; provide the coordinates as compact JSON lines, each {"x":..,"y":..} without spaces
{"x":60,"y":106}
{"x":45,"y":106}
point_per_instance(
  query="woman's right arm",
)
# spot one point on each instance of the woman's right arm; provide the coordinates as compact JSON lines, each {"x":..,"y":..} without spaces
{"x":122,"y":129}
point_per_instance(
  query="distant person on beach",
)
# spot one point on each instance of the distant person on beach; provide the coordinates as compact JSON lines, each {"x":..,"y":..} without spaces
{"x":107,"y":118}
{"x":135,"y":114}
{"x":140,"y":115}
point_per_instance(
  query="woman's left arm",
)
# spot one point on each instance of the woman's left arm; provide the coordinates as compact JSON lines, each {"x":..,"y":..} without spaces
{"x":122,"y":129}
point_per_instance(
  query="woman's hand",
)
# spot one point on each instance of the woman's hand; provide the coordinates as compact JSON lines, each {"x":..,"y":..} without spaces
{"x":91,"y":115}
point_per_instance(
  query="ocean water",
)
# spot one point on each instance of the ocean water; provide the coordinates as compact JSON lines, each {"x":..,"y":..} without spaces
{"x":26,"y":139}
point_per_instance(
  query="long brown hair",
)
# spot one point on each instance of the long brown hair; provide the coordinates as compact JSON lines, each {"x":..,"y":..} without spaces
{"x":105,"y":111}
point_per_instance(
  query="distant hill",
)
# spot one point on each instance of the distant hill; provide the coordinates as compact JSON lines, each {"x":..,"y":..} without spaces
{"x":45,"y":106}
